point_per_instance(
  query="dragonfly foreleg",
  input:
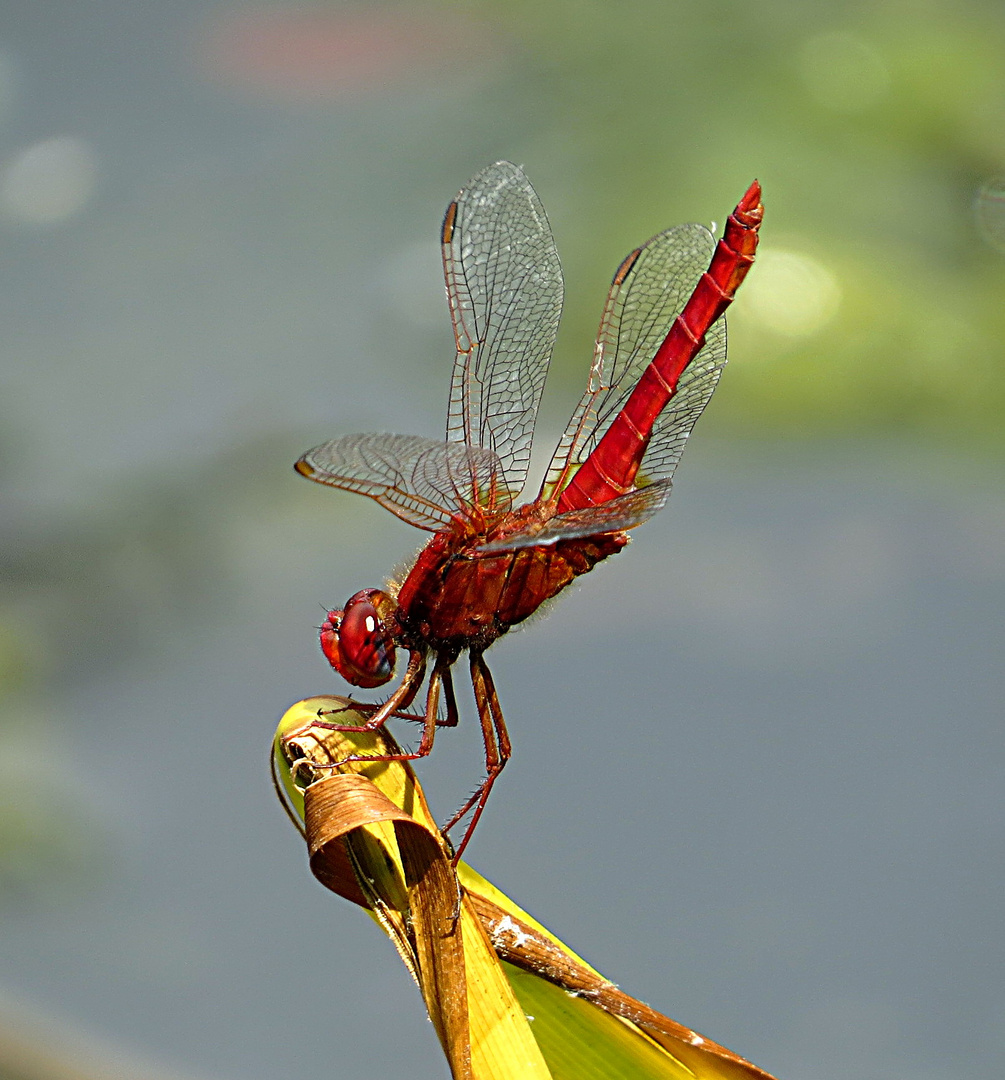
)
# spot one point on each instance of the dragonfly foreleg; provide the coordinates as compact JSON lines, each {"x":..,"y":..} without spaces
{"x":497,"y":747}
{"x":429,"y":720}
{"x":450,"y":720}
{"x":400,"y":699}
{"x":436,"y":680}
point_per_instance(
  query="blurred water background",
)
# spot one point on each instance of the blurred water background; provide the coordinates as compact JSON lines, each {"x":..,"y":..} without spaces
{"x":758,"y":757}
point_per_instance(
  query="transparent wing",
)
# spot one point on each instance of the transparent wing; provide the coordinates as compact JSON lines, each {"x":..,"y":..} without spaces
{"x":504,"y":287}
{"x":649,"y":291}
{"x":615,"y":515}
{"x":423,"y":481}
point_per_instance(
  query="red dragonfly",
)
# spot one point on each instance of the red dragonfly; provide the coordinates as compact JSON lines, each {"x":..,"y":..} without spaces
{"x":491,"y":563}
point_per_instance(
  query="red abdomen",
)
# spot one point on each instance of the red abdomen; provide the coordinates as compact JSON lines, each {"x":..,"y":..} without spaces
{"x":611,"y":469}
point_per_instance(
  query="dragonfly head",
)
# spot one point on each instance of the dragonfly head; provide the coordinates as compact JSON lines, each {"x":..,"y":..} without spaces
{"x":356,"y":640}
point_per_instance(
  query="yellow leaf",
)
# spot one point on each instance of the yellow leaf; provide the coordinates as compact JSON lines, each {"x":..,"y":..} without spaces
{"x":507,"y":998}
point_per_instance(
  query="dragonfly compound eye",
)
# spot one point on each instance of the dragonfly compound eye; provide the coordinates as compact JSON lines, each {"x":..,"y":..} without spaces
{"x":356,"y":641}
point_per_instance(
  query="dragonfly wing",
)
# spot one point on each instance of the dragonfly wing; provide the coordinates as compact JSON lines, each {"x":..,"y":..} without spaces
{"x":504,"y":286}
{"x":423,"y":481}
{"x":649,"y":291}
{"x":615,"y":515}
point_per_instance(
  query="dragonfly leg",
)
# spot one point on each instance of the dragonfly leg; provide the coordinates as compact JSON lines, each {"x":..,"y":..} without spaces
{"x":429,"y":720}
{"x":448,"y":695}
{"x":450,"y":720}
{"x":497,"y":747}
{"x":432,"y":708}
{"x":400,"y":699}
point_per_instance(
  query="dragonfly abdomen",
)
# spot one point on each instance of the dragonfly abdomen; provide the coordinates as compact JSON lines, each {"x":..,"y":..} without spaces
{"x":611,"y":468}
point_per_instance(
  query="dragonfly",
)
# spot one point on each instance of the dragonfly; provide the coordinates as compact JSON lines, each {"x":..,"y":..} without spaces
{"x":490,"y":563}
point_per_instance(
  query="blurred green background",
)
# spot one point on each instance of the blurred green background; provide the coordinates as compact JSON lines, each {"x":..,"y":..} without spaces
{"x":218,"y":227}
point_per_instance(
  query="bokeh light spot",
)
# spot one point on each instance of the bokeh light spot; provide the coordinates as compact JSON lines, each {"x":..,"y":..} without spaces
{"x":791,"y":294}
{"x":49,"y":181}
{"x":297,"y":52}
{"x":989,"y":212}
{"x":843,"y":72}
